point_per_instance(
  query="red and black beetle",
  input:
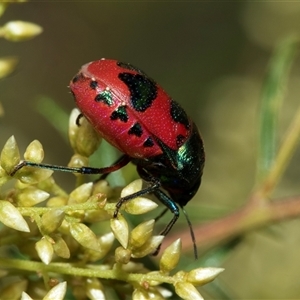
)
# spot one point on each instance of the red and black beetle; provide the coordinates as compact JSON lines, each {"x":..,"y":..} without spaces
{"x":134,"y":114}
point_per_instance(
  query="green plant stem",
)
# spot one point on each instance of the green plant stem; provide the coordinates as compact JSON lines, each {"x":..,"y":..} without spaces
{"x":90,"y":271}
{"x":29,"y":211}
{"x":272,"y":97}
{"x":284,"y":155}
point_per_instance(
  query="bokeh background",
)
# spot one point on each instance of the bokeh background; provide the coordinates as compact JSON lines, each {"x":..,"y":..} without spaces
{"x":211,"y":57}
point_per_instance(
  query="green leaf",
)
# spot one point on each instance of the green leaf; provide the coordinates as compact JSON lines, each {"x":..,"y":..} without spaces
{"x":271,"y":99}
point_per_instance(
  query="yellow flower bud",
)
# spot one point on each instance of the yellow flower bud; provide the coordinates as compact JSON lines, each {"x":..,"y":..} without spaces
{"x":57,"y":201}
{"x":187,"y":291}
{"x":141,"y":233}
{"x":34,"y":152}
{"x":7,"y":65}
{"x":58,"y":292}
{"x":83,"y":137}
{"x":202,"y":276}
{"x":132,"y":188}
{"x":84,"y":236}
{"x":170,"y":257}
{"x":122,"y":255}
{"x":149,"y":247}
{"x":78,"y":161}
{"x":32,"y":175}
{"x":10,"y":155}
{"x":25,"y":296}
{"x":105,"y":244}
{"x":51,"y":220}
{"x":11,"y":217}
{"x":31,"y":196}
{"x":3,"y":176}
{"x":139,"y":205}
{"x":3,"y":6}
{"x":14,"y":288}
{"x":73,"y":127}
{"x":45,"y":250}
{"x":81,"y":194}
{"x":151,"y":293}
{"x":60,"y":247}
{"x":94,"y":289}
{"x":120,"y":229}
{"x":17,"y":31}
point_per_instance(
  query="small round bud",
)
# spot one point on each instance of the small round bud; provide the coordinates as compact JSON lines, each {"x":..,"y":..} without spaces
{"x":34,"y":152}
{"x":122,"y":255}
{"x":78,"y":161}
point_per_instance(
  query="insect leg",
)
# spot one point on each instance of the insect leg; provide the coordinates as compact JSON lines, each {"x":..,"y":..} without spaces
{"x":150,"y":189}
{"x":124,"y":160}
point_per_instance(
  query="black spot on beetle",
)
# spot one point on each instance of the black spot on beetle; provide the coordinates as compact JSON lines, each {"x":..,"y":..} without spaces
{"x":179,"y":115}
{"x":105,"y":97}
{"x":148,"y":143}
{"x":130,"y":67}
{"x":136,"y":130}
{"x":120,"y":113}
{"x":93,"y":84}
{"x":77,"y":77}
{"x":143,"y":90}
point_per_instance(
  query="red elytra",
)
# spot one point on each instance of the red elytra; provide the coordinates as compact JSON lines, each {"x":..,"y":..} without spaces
{"x":155,"y":120}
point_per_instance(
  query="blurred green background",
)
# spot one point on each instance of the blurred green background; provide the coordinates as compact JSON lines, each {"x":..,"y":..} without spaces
{"x":211,"y":57}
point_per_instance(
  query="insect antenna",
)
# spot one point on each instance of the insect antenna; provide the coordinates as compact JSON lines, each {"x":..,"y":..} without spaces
{"x":191,"y":232}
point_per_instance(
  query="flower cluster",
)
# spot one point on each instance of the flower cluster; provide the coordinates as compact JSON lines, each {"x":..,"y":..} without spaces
{"x":49,"y":233}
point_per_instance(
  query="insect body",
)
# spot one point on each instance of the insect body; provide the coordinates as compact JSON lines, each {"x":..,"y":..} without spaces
{"x":134,"y":114}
